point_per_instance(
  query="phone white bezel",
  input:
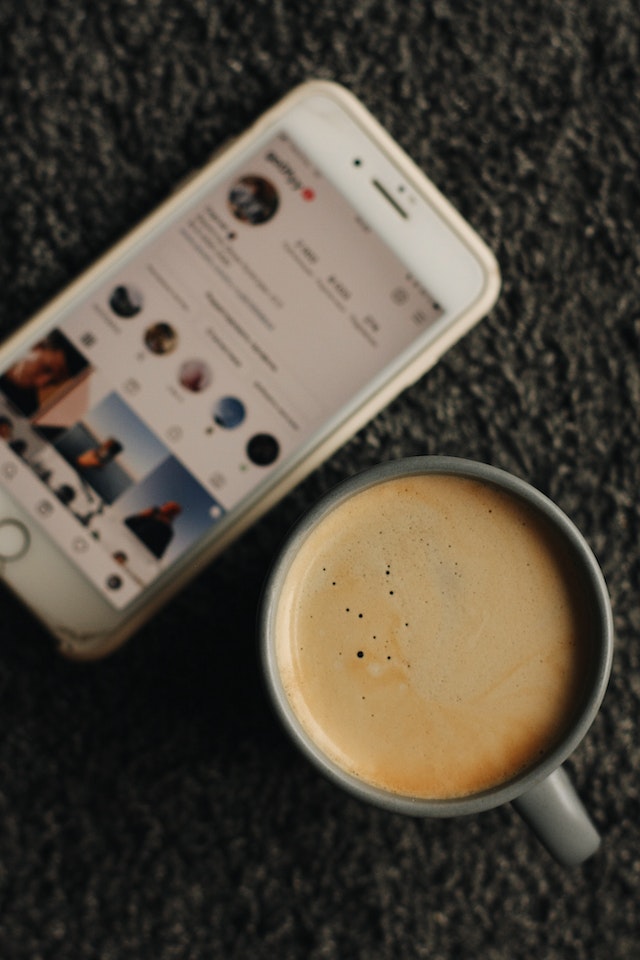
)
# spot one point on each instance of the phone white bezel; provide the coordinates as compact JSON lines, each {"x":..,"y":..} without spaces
{"x":465,"y":277}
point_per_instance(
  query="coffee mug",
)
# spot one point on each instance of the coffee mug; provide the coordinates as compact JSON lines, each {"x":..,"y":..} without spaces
{"x":437,"y":637}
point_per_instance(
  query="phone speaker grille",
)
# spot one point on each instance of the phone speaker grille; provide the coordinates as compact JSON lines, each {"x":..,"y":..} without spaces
{"x":385,"y":193}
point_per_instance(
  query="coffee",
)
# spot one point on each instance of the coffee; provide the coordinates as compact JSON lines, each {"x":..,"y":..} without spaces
{"x":430,"y":636}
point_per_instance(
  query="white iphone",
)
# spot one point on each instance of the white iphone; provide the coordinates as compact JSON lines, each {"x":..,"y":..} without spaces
{"x":208,"y":362}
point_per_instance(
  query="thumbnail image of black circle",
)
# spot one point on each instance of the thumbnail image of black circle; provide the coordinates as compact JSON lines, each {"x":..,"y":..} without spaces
{"x":253,"y":200}
{"x":263,"y":449}
{"x":161,"y":338}
{"x":47,"y":367}
{"x":126,"y":301}
{"x":229,"y":412}
{"x":195,"y":375}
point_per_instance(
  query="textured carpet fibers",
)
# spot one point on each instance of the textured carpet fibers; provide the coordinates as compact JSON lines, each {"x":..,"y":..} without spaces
{"x":150,"y":806}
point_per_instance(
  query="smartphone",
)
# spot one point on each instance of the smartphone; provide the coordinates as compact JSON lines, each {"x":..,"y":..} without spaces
{"x":208,"y":362}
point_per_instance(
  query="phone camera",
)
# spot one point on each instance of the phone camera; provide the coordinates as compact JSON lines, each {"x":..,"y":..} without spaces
{"x":357,"y":162}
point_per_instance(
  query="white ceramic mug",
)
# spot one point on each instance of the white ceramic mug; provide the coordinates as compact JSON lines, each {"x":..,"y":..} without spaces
{"x":541,"y":792}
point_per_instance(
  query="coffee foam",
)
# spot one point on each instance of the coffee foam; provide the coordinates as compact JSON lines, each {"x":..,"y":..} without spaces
{"x":428,"y":637}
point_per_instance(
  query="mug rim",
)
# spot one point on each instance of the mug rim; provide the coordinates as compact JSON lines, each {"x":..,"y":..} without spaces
{"x":531,"y":775}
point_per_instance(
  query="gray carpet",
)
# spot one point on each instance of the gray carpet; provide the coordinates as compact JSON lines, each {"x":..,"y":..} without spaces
{"x":150,"y":806}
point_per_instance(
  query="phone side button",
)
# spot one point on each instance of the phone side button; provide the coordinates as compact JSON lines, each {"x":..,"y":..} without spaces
{"x":15,"y":540}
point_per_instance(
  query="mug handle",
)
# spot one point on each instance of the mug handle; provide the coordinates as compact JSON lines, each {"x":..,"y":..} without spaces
{"x":557,"y":816}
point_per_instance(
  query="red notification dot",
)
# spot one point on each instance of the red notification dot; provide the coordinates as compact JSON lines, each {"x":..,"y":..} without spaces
{"x":308,"y":194}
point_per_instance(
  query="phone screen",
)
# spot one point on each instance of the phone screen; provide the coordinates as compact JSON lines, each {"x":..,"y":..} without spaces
{"x":160,"y":401}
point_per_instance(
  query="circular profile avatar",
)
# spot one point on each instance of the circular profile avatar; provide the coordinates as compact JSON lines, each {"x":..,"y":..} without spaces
{"x":263,"y":449}
{"x":195,"y":375}
{"x":161,"y":338}
{"x":253,"y":200}
{"x":229,"y":412}
{"x":125,"y":301}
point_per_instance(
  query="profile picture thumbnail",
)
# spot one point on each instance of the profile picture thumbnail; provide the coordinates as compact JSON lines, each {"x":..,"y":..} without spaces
{"x":126,"y":301}
{"x":253,"y":199}
{"x":229,"y":412}
{"x":195,"y":375}
{"x":161,"y":338}
{"x":263,"y":449}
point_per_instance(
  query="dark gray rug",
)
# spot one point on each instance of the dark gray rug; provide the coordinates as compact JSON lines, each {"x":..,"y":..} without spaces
{"x":150,"y":807}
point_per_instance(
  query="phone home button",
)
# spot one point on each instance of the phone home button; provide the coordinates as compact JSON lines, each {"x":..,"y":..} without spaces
{"x":14,"y":540}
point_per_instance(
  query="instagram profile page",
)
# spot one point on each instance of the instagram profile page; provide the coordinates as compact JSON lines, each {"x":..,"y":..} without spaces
{"x":157,"y":405}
